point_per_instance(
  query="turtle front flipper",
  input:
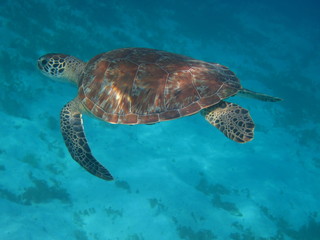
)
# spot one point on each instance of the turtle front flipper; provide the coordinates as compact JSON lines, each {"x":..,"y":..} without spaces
{"x":76,"y":142}
{"x":231,"y":119}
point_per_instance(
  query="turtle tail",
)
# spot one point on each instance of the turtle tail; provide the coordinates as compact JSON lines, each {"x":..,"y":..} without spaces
{"x":260,"y":96}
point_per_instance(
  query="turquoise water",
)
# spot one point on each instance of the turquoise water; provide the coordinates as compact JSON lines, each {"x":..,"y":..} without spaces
{"x":174,"y":180}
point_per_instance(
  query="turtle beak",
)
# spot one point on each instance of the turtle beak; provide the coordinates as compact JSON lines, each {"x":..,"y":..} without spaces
{"x":41,"y":63}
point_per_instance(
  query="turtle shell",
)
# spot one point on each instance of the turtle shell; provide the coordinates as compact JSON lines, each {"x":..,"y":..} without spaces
{"x":139,"y":85}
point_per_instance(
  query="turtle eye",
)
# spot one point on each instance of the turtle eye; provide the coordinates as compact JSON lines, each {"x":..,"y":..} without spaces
{"x":44,"y":62}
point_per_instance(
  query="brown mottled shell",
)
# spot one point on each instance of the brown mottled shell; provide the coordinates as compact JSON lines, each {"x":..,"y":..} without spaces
{"x":139,"y":85}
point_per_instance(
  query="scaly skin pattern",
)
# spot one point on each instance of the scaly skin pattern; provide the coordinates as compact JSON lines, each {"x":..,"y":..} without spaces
{"x":76,"y":142}
{"x":62,"y":66}
{"x":234,"y":121}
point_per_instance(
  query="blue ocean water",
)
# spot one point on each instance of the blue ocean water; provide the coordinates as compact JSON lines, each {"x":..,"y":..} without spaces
{"x":175,"y":180}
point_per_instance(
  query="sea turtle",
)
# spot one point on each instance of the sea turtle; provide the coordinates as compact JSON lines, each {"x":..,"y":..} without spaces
{"x":145,"y":86}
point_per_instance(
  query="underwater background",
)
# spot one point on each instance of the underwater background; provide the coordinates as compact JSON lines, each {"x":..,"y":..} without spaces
{"x":174,"y":180}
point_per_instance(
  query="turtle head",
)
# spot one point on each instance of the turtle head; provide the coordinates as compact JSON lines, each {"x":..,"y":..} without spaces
{"x":61,"y":66}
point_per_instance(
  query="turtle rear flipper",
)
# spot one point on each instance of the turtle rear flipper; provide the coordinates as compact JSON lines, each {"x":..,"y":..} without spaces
{"x":260,"y":96}
{"x":234,"y":121}
{"x":76,"y":142}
